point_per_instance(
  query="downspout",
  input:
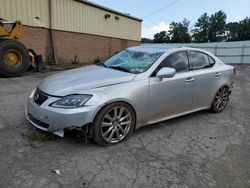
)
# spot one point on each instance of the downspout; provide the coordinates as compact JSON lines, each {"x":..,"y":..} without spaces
{"x":51,"y":34}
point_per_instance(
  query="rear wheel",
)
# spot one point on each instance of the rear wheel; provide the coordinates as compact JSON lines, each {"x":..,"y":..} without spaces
{"x":220,"y":100}
{"x":113,"y":124}
{"x":14,"y":58}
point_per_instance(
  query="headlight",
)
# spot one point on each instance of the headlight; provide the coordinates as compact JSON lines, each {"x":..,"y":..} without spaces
{"x":71,"y":101}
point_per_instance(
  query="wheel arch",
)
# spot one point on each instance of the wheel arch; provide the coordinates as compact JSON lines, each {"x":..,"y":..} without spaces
{"x":223,"y":85}
{"x":220,"y":85}
{"x":112,"y":102}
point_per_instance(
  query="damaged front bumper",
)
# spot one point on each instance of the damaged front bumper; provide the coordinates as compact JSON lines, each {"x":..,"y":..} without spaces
{"x":56,"y":120}
{"x":40,"y":125}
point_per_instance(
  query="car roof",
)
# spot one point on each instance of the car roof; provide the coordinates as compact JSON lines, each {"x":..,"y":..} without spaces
{"x":159,"y":48}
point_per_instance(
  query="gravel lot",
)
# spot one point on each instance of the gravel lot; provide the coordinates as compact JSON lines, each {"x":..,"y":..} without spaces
{"x":198,"y":150}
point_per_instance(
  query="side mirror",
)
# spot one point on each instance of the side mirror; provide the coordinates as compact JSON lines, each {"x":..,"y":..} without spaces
{"x":166,"y":72}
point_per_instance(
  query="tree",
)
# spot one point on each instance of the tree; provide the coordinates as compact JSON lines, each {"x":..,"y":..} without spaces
{"x":217,"y":27}
{"x":232,"y":30}
{"x":244,"y":31}
{"x":207,"y":29}
{"x":161,"y":37}
{"x":200,"y":33}
{"x":146,"y":40}
{"x":210,"y":28}
{"x":179,"y":32}
{"x":238,"y":31}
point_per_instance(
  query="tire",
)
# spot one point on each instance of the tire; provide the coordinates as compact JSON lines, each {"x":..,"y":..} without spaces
{"x":14,"y":58}
{"x":220,"y":100}
{"x":110,"y":129}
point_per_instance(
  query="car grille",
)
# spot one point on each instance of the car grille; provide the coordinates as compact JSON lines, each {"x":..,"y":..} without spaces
{"x":39,"y":97}
{"x":39,"y":123}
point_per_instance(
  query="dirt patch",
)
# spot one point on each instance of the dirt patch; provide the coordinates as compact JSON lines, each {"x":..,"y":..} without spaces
{"x":40,"y":136}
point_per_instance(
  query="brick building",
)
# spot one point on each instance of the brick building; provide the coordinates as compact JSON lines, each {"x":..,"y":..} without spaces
{"x":63,"y":29}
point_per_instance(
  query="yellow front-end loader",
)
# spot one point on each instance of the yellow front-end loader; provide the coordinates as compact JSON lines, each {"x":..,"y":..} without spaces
{"x":15,"y":58}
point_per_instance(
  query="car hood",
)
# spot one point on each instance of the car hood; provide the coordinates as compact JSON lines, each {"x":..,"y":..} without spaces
{"x":81,"y":79}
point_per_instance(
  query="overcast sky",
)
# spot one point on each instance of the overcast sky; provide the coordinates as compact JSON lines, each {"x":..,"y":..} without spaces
{"x":157,"y":18}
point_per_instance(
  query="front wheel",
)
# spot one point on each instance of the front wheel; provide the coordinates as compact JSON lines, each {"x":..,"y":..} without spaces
{"x":113,"y":124}
{"x":220,"y":100}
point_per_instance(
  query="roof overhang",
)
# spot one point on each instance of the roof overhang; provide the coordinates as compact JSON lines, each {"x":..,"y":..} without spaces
{"x":110,"y":10}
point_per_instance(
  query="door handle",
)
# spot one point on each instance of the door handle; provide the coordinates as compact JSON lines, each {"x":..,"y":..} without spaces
{"x":189,"y":80}
{"x":217,"y":74}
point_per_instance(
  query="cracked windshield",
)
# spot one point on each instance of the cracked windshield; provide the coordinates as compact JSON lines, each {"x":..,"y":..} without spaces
{"x":132,"y":61}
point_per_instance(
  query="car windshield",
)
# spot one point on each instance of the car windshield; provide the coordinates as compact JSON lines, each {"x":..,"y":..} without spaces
{"x":132,"y":61}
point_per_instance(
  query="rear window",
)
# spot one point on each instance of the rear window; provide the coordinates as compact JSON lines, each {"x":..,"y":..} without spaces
{"x":199,"y":60}
{"x":211,"y":60}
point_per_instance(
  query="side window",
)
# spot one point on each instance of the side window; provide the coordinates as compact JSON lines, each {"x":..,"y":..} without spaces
{"x":178,"y":61}
{"x":199,"y":60}
{"x":211,"y":61}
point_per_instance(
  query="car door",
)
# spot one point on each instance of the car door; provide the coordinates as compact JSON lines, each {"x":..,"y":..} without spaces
{"x":171,"y":96}
{"x":206,"y":76}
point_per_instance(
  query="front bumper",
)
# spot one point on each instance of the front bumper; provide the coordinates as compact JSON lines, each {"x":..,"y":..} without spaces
{"x":56,"y":120}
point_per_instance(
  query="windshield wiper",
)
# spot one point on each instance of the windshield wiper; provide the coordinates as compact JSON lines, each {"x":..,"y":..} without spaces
{"x":119,"y":68}
{"x":102,"y":64}
{"x":114,"y":67}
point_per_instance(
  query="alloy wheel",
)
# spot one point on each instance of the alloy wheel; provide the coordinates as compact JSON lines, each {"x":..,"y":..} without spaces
{"x":221,"y":99}
{"x":116,"y":124}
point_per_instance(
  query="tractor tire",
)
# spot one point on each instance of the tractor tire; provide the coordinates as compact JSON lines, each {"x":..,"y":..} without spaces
{"x":14,"y":58}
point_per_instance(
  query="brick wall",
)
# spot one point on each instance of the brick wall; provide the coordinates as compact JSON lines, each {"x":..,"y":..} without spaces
{"x":37,"y":39}
{"x":69,"y":44}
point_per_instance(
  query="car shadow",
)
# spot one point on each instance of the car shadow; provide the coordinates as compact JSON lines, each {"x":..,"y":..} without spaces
{"x":75,"y":136}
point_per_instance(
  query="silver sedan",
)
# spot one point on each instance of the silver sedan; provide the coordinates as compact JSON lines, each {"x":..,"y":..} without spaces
{"x":136,"y":87}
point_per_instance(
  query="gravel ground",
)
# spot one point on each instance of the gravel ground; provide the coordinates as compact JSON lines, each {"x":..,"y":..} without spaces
{"x":198,"y":150}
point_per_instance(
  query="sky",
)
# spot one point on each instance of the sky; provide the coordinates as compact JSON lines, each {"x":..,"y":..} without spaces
{"x":156,"y":18}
